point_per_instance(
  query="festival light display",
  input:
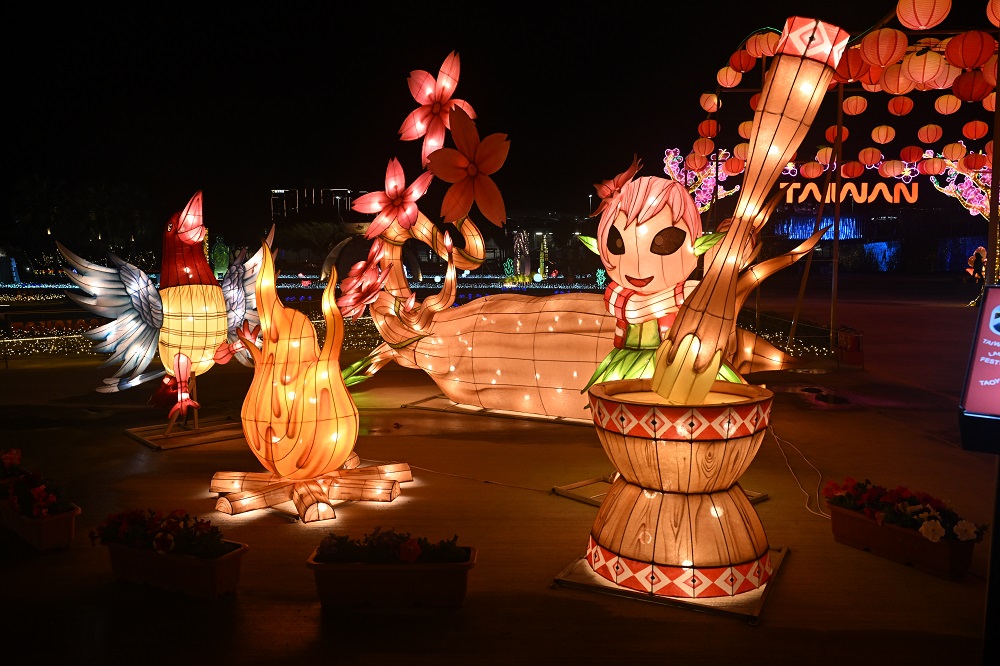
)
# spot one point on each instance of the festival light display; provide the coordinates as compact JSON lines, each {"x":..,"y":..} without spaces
{"x":189,"y":318}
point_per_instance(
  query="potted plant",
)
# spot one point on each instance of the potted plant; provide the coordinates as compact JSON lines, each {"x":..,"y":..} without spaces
{"x":388,"y":569}
{"x":172,"y":551}
{"x":10,"y":470}
{"x":902,"y":525}
{"x":38,"y":511}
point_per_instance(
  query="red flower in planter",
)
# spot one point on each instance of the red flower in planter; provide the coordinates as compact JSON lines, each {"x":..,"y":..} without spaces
{"x":409,"y":551}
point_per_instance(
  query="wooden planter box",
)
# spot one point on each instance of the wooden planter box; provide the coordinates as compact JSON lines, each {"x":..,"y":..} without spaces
{"x":385,"y":586}
{"x":946,"y":558}
{"x":54,"y":532}
{"x":192,"y":576}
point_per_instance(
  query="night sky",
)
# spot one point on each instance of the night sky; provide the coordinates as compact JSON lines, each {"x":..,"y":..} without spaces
{"x":235,"y":100}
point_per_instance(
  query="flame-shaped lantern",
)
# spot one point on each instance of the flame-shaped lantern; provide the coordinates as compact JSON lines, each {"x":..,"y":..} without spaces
{"x":298,"y":416}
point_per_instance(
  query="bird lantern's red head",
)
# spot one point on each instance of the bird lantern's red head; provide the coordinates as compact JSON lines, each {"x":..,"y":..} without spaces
{"x":184,"y":260}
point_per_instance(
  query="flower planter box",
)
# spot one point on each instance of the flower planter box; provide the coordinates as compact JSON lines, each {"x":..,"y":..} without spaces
{"x":205,"y":578}
{"x":342,"y":585}
{"x":946,"y":558}
{"x":53,"y":532}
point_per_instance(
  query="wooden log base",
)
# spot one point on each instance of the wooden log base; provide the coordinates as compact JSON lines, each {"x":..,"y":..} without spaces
{"x":314,"y":499}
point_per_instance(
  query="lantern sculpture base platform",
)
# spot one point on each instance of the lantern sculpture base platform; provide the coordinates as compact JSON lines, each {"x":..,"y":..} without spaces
{"x":748,"y":605}
{"x":314,"y":499}
{"x":205,"y":431}
{"x":439,"y":403}
{"x":593,"y":491}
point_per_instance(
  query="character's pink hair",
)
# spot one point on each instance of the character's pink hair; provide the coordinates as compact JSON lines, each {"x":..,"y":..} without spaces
{"x":643,"y":198}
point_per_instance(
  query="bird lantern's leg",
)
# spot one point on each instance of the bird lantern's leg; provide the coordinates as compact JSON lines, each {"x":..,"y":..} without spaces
{"x":182,"y":371}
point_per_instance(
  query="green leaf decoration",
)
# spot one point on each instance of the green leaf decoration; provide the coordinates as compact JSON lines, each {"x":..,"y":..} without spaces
{"x":704,"y":243}
{"x":590,"y":242}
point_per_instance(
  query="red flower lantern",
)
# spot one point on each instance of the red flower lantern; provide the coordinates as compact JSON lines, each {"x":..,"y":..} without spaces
{"x":733,"y":166}
{"x":710,"y":102}
{"x":695,"y":162}
{"x":922,"y":14}
{"x":954,"y":151}
{"x":811,"y":170}
{"x":974,"y":162}
{"x":911,"y":154}
{"x":831,"y":134}
{"x":852,"y":169}
{"x":923,"y":67}
{"x":929,"y":133}
{"x":728,"y":77}
{"x":708,"y":128}
{"x":891,"y":168}
{"x":870,"y":156}
{"x":971,"y":49}
{"x":703,"y":146}
{"x":893,"y":81}
{"x":851,"y":67}
{"x":855,"y":104}
{"x":971,"y":86}
{"x":900,"y":106}
{"x":742,"y":61}
{"x":883,"y":47}
{"x":744,"y":128}
{"x":883,"y":134}
{"x":947,"y":104}
{"x":932,"y":166}
{"x":975,"y":129}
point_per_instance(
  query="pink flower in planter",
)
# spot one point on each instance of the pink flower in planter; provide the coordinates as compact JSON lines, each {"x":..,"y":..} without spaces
{"x":433,"y":116}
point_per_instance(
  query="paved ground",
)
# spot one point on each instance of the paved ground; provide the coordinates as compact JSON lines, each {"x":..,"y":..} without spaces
{"x":490,"y":480}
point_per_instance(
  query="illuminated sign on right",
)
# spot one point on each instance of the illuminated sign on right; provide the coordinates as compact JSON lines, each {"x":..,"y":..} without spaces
{"x":982,"y":383}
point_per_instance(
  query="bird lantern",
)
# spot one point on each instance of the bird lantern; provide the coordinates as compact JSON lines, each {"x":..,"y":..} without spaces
{"x":734,"y":166}
{"x":900,"y":106}
{"x":855,"y":105}
{"x":932,"y":166}
{"x":708,"y":128}
{"x":883,"y":47}
{"x":975,"y":162}
{"x":811,"y":170}
{"x":970,"y":49}
{"x":971,"y":86}
{"x":695,"y":162}
{"x":947,"y":104}
{"x":922,"y":14}
{"x":911,"y":154}
{"x":894,"y":82}
{"x":762,"y":44}
{"x":728,"y":77}
{"x":883,"y":134}
{"x":852,"y":67}
{"x":891,"y":168}
{"x":923,"y":66}
{"x":954,"y":151}
{"x":710,"y":102}
{"x":870,"y":156}
{"x":975,"y":129}
{"x":852,"y":169}
{"x":929,"y":133}
{"x":831,"y":134}
{"x":742,"y":61}
{"x":744,"y":129}
{"x":824,"y":155}
{"x":703,"y":146}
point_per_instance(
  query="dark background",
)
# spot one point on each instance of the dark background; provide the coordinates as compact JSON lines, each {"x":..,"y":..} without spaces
{"x":235,"y":100}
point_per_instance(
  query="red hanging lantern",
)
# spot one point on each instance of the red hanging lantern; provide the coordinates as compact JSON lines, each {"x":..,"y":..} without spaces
{"x":893,"y":81}
{"x":763,"y":44}
{"x":883,"y":134}
{"x":708,"y":128}
{"x":855,"y":105}
{"x":733,"y":166}
{"x":703,"y":146}
{"x":990,"y":102}
{"x":993,"y":12}
{"x":811,"y":170}
{"x":852,"y":169}
{"x":754,"y":100}
{"x":872,"y":87}
{"x":971,"y":49}
{"x":911,"y":154}
{"x":870,"y":156}
{"x":851,"y":67}
{"x":923,"y":67}
{"x":947,"y":77}
{"x":831,"y":134}
{"x":975,"y":129}
{"x":871,"y":76}
{"x":824,"y":155}
{"x":989,"y":70}
{"x":883,"y":47}
{"x":922,"y":14}
{"x":947,"y":104}
{"x":971,"y":86}
{"x":745,"y":128}
{"x":741,"y":150}
{"x":695,"y":162}
{"x":989,"y":150}
{"x":891,"y":168}
{"x":929,"y":133}
{"x":974,"y":162}
{"x":728,"y":77}
{"x":932,"y":166}
{"x":710,"y":102}
{"x":742,"y":61}
{"x":900,"y":106}
{"x":954,"y":151}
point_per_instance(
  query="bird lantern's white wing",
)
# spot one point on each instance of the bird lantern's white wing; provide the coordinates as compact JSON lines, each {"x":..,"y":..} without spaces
{"x":127,"y":296}
{"x":239,"y":288}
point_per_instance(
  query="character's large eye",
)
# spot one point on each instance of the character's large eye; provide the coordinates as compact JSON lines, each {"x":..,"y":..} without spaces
{"x":616,"y":244}
{"x":668,"y":241}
